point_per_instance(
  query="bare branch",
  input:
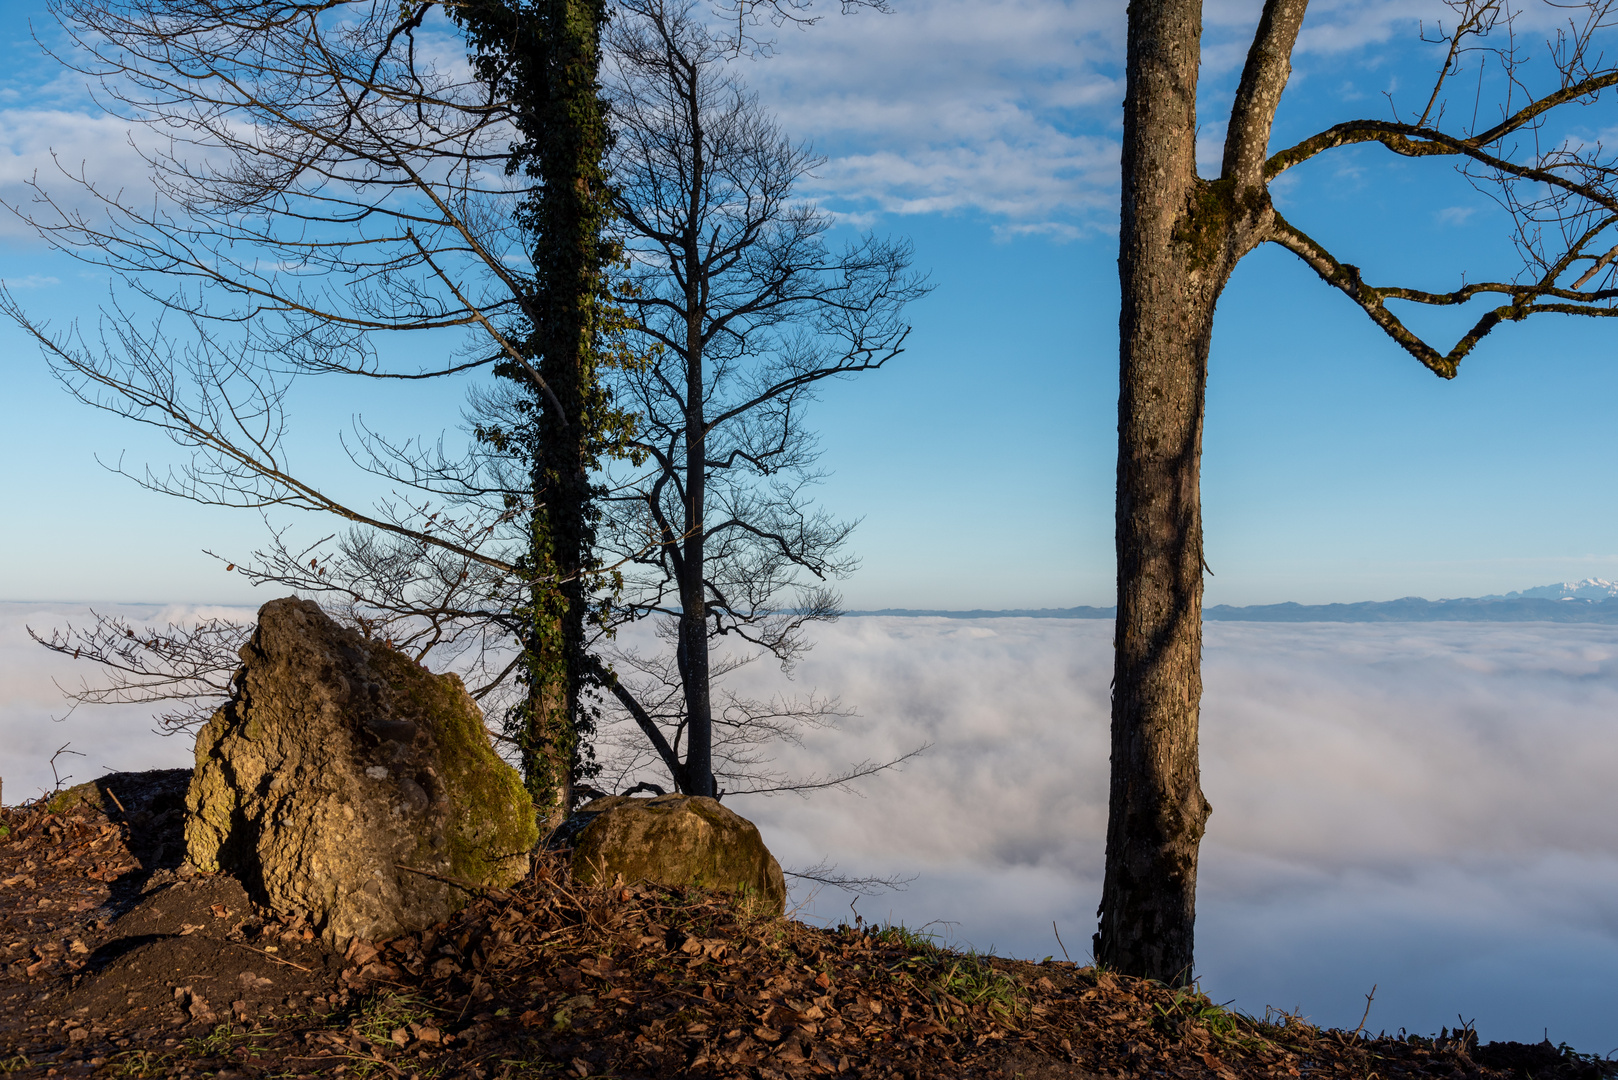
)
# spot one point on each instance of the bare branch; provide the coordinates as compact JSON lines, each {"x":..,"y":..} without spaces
{"x":190,"y":664}
{"x":825,"y":873}
{"x":1264,"y":79}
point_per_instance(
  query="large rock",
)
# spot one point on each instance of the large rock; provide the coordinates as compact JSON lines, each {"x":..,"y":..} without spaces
{"x":338,"y":761}
{"x":676,"y":840}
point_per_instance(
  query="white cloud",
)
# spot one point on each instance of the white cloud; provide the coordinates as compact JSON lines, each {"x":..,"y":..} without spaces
{"x":35,"y":719}
{"x":48,"y":143}
{"x":1008,"y":108}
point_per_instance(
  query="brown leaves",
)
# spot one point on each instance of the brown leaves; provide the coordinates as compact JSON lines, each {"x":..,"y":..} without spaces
{"x":709,"y":949}
{"x":641,"y":982}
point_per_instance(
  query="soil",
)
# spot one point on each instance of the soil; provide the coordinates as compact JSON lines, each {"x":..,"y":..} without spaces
{"x":117,"y":960}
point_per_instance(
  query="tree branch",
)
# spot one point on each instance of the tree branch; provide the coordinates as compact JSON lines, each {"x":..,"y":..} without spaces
{"x":1264,"y":79}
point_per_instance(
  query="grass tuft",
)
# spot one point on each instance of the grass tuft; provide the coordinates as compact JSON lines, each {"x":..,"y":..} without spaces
{"x":140,"y":1063}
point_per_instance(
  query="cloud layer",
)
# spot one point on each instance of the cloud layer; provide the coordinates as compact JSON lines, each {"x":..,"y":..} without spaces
{"x":35,"y":719}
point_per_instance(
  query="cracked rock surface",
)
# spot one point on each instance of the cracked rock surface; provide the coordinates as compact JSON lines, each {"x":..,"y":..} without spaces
{"x":346,"y":784}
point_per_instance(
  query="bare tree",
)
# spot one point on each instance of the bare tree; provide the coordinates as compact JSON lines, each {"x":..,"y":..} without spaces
{"x":1182,"y":237}
{"x":747,"y":310}
{"x":327,"y":177}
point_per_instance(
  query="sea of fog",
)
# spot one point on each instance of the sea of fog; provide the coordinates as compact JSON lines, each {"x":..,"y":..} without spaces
{"x":1429,"y":808}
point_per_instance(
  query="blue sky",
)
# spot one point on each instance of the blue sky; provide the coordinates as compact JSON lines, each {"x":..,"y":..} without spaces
{"x":981,"y":464}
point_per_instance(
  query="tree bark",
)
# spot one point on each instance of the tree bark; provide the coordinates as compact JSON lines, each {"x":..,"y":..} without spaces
{"x":694,"y":661}
{"x":693,"y":657}
{"x":1156,"y":807}
{"x":1180,"y":239}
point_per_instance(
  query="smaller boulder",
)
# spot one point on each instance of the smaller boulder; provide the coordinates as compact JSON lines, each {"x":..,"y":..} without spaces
{"x":677,"y":840}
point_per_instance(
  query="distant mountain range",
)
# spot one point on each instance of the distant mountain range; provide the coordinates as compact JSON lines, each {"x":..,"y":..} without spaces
{"x":1593,"y":600}
{"x":1591,"y":588}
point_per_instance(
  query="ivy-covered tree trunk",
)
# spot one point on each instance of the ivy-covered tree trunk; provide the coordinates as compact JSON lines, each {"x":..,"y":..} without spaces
{"x":568,"y":214}
{"x":568,"y":217}
{"x":546,"y":56}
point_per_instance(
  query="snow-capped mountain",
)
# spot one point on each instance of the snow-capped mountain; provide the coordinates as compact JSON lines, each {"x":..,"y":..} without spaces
{"x":1588,"y":589}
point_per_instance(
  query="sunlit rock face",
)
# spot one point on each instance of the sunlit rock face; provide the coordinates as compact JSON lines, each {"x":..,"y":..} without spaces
{"x":346,"y":782}
{"x":680,"y":840}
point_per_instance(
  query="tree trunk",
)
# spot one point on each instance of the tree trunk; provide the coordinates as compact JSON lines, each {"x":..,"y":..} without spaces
{"x":1180,"y":238}
{"x":570,"y":139}
{"x":693,"y":656}
{"x":1171,"y":269}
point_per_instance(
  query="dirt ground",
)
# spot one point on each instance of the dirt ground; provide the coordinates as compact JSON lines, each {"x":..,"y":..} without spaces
{"x":116,"y":960}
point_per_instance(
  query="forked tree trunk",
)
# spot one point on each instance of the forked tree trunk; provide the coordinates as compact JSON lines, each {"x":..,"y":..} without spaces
{"x":1181,"y":237}
{"x":1156,"y":807}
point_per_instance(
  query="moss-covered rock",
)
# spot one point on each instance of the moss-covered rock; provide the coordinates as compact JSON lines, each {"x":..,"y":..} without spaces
{"x":345,"y":781}
{"x":69,"y":799}
{"x":677,"y":840}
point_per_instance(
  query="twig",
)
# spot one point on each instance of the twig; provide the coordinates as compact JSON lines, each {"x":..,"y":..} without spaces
{"x":1068,"y":958}
{"x":272,"y":956}
{"x":475,"y":890}
{"x":1368,"y":999}
{"x":115,"y":801}
{"x":477,"y":980}
{"x":56,"y":775}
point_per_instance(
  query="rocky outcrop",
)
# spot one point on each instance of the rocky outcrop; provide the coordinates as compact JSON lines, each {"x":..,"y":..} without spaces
{"x":679,"y":840}
{"x":345,"y":782}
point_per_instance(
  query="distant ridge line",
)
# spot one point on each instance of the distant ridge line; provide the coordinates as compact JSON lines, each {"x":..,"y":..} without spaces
{"x":1408,"y":609}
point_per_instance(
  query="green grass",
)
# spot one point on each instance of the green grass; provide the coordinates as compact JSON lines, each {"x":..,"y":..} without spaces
{"x":966,"y":978}
{"x":15,"y":1064}
{"x":972,"y":980}
{"x":382,"y":1014}
{"x":222,"y":1040}
{"x":1227,"y":1027}
{"x":140,"y":1063}
{"x":375,"y":1020}
{"x":917,"y":941}
{"x":1192,"y":1005}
